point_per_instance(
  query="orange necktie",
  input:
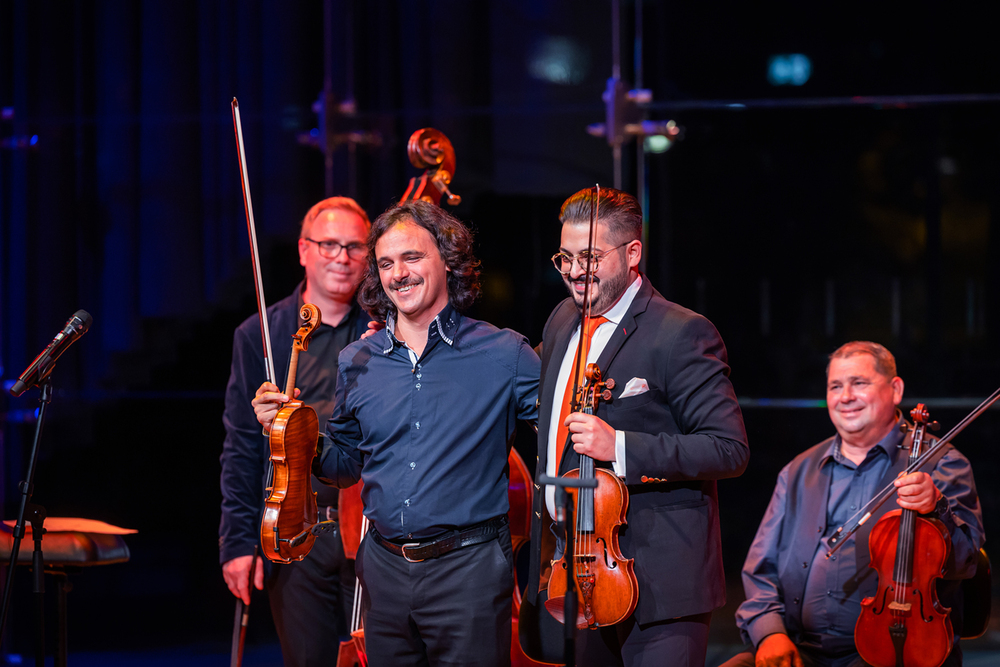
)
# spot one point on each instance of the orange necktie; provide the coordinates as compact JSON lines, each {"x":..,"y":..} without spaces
{"x":563,"y":432}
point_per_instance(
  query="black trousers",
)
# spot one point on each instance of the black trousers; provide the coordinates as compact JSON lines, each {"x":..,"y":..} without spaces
{"x":452,"y":610}
{"x":679,"y":642}
{"x":311,"y":602}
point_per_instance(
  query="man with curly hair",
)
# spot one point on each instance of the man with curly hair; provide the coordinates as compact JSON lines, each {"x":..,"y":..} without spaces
{"x":425,"y":417}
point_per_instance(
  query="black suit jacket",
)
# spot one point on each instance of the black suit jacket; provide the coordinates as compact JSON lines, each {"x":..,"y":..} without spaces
{"x":682,"y":435}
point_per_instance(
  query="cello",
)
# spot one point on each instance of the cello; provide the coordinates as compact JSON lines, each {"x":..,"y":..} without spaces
{"x":603,"y":579}
{"x":904,"y":623}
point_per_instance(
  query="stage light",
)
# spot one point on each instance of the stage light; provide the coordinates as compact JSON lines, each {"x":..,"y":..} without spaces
{"x":791,"y":69}
{"x":558,"y":60}
{"x":657,"y":144}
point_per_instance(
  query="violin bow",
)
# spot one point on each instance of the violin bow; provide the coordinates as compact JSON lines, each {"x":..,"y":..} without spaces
{"x":585,"y":313}
{"x":865,"y":513}
{"x":254,"y":254}
{"x":242,"y":618}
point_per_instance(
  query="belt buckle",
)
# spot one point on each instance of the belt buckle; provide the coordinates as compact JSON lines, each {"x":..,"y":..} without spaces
{"x":407,"y":558}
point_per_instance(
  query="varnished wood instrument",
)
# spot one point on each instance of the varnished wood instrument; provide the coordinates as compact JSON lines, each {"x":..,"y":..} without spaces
{"x":288,"y":528}
{"x":290,"y":524}
{"x":904,"y":624}
{"x":604,"y":580}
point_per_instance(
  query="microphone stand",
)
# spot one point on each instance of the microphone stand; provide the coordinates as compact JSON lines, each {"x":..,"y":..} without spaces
{"x":37,"y":518}
{"x":564,"y":501}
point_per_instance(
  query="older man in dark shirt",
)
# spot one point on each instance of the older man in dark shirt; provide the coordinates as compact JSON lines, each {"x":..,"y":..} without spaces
{"x":425,"y":417}
{"x":310,"y":599}
{"x":801,"y":607}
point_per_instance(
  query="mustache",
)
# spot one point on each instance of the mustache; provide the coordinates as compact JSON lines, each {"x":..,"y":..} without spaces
{"x":583,"y":281}
{"x":399,"y":284}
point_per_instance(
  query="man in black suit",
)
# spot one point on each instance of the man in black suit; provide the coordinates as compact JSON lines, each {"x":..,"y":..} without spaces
{"x":672,"y":428}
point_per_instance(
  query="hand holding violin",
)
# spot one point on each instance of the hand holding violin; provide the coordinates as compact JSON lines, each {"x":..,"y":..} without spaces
{"x":777,"y":650}
{"x":592,"y":436}
{"x":917,"y":492}
{"x":267,"y":401}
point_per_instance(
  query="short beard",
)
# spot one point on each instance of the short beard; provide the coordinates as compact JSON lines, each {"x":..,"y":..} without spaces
{"x":610,"y":290}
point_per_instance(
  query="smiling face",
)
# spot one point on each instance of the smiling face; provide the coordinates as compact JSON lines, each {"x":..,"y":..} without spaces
{"x":615,"y":272}
{"x":412,"y":272}
{"x":861,"y":401}
{"x":336,"y":278}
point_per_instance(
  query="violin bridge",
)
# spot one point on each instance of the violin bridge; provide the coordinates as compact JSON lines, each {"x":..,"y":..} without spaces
{"x":900,"y":606}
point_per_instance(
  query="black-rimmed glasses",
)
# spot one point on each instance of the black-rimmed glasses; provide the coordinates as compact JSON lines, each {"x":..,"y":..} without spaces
{"x":587,"y":262}
{"x":330,"y":249}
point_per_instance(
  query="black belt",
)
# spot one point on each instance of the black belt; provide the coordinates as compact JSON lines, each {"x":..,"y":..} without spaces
{"x":415,"y":552}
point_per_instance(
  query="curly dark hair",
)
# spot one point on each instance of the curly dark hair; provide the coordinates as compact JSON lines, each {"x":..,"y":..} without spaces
{"x":454,"y":242}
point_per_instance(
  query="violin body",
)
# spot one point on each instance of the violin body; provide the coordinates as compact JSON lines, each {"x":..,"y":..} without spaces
{"x":605,"y":579}
{"x":913,"y":606}
{"x":291,"y":507}
{"x":288,"y":527}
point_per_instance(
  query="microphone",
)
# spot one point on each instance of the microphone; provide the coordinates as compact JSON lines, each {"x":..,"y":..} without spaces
{"x":40,"y":368}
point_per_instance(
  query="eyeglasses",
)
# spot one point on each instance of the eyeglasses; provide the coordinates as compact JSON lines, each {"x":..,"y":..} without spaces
{"x":330,"y":249}
{"x":587,"y":262}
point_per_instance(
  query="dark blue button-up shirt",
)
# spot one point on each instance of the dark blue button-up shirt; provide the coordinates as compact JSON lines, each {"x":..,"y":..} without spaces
{"x":429,"y":437}
{"x":834,"y":588}
{"x":832,"y":601}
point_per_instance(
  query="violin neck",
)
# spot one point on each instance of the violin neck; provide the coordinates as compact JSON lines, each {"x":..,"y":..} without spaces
{"x":903,"y":570}
{"x":293,"y":366}
{"x":585,"y":497}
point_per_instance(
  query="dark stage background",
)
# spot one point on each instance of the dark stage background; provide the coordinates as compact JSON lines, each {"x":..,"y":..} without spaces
{"x":795,"y":217}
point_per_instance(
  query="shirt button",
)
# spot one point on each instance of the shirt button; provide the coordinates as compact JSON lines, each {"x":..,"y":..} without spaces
{"x":418,"y":386}
{"x":419,"y":375}
{"x":407,"y":502}
{"x":854,"y":507}
{"x":796,"y":600}
{"x":833,"y":558}
{"x":829,"y":593}
{"x":805,"y":565}
{"x":418,"y":426}
{"x":410,"y":535}
{"x":413,"y":465}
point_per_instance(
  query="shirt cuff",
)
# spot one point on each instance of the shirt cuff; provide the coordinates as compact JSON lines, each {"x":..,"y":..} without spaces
{"x":764,"y":625}
{"x":619,"y":463}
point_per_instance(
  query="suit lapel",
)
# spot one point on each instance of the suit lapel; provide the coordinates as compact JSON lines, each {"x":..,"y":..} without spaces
{"x":626,"y":327}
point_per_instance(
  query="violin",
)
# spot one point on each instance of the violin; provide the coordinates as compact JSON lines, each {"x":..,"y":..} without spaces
{"x":604,"y":580}
{"x":289,"y":526}
{"x":904,"y":623}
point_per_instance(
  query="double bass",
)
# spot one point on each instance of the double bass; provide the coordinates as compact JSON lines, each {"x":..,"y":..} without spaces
{"x":603,"y":579}
{"x":904,"y":622}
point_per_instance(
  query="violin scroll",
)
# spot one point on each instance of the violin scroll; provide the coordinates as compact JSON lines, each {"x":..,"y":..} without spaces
{"x":430,"y":149}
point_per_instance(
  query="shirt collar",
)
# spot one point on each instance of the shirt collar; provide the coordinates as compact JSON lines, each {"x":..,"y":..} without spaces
{"x":890,"y":444}
{"x":445,"y":325}
{"x":617,"y":311}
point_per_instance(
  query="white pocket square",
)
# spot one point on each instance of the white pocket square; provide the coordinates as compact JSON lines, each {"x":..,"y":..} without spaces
{"x":635,"y":387}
